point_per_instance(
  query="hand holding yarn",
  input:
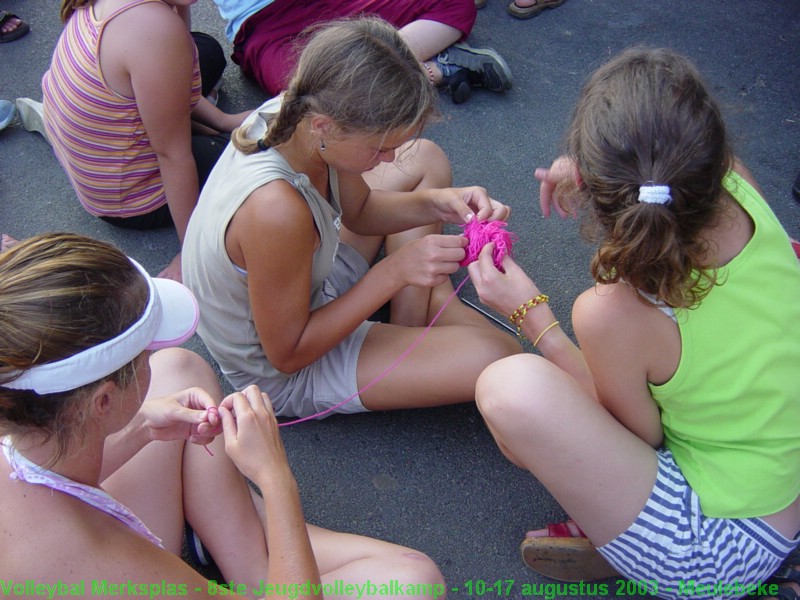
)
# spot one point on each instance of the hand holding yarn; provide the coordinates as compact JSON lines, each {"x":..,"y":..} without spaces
{"x":427,"y":261}
{"x":463,"y":205}
{"x":505,"y":290}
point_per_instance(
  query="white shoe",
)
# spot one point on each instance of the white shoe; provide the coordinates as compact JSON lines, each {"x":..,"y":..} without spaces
{"x":31,"y":114}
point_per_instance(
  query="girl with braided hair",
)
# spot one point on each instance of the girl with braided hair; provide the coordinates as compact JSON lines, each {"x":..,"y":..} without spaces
{"x":670,"y":437}
{"x":281,"y":248}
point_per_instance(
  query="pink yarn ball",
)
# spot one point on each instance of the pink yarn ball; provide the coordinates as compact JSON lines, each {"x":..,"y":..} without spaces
{"x":480,"y":233}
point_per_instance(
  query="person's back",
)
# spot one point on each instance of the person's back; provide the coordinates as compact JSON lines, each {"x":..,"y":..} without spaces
{"x":730,"y":378}
{"x":96,"y":132}
{"x":683,"y":459}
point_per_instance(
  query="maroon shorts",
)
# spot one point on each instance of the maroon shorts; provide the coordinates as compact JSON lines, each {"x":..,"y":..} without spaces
{"x":265,"y":45}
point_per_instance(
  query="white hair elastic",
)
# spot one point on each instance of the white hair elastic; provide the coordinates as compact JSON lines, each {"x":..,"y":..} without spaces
{"x":169,"y":319}
{"x":654,"y":194}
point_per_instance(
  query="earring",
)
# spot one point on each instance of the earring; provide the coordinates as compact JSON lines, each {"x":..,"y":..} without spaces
{"x":322,"y":145}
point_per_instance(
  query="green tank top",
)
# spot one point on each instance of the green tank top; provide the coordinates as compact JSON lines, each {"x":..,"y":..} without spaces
{"x":731,"y":412}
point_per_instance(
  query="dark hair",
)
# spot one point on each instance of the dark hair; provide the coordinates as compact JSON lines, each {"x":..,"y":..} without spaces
{"x":60,"y":294}
{"x":647,"y":117}
{"x":359,"y":72}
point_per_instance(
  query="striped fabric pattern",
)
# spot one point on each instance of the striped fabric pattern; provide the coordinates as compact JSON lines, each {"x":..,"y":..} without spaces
{"x":97,"y":134}
{"x":681,"y":553}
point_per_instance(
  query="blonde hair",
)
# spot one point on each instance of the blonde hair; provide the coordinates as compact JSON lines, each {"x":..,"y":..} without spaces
{"x":358,"y":72}
{"x":60,"y":294}
{"x":647,"y":117}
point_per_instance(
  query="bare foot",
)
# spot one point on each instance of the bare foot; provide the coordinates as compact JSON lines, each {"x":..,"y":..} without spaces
{"x":11,"y":25}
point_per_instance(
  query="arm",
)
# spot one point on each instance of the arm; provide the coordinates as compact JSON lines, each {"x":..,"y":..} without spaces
{"x":160,"y":73}
{"x":505,"y":292}
{"x":253,"y":443}
{"x":626,"y":344}
{"x":216,"y":120}
{"x":369,"y":211}
{"x":276,"y":222}
{"x":186,"y":415}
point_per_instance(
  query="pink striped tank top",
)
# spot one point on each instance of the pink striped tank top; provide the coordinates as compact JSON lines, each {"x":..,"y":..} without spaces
{"x":97,"y":134}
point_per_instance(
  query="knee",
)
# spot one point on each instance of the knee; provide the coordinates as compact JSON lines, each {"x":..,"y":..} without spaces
{"x":411,"y":567}
{"x":180,"y":368}
{"x":513,"y":390}
{"x":179,"y":359}
{"x":433,"y":162}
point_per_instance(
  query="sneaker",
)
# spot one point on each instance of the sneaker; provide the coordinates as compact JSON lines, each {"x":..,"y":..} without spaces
{"x":458,"y":84}
{"x":31,"y":114}
{"x":486,"y":67}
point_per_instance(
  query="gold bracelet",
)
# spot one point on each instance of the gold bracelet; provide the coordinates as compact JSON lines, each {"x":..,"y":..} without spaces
{"x":546,"y":329}
{"x":519,"y":315}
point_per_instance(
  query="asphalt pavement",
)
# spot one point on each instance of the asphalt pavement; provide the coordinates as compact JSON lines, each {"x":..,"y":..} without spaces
{"x":433,"y":479}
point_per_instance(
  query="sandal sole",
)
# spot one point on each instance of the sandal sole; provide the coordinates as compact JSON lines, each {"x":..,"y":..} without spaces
{"x":565,"y":559}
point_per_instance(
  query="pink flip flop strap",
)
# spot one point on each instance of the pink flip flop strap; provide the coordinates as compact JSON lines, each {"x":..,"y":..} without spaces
{"x":562,"y":530}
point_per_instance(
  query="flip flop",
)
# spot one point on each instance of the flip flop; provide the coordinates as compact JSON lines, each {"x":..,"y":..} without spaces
{"x":7,"y":113}
{"x":563,"y":556}
{"x":528,"y":12}
{"x":31,"y":115}
{"x":17,"y":32}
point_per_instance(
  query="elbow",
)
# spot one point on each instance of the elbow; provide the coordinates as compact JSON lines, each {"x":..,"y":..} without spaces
{"x":287,"y":364}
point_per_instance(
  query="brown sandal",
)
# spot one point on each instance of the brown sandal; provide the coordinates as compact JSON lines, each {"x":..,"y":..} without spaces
{"x":563,"y":556}
{"x":528,"y":12}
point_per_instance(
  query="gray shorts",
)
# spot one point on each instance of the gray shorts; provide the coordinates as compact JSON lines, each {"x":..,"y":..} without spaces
{"x":676,"y":551}
{"x":332,"y":379}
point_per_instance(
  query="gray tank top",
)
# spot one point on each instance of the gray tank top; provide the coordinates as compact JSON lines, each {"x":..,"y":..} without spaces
{"x":226,"y":319}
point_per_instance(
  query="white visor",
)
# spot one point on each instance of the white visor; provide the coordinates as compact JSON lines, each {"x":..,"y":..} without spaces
{"x":169,"y":319}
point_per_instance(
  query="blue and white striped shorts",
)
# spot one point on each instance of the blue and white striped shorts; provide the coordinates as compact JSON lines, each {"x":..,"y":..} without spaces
{"x":681,"y":553}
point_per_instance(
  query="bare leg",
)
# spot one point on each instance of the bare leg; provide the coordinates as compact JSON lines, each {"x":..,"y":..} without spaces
{"x":169,"y":482}
{"x":356,"y":559}
{"x":420,"y":164}
{"x":601,"y":473}
{"x":428,"y":38}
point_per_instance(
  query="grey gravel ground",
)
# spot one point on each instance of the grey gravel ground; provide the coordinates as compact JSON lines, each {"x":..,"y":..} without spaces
{"x":433,"y":479}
